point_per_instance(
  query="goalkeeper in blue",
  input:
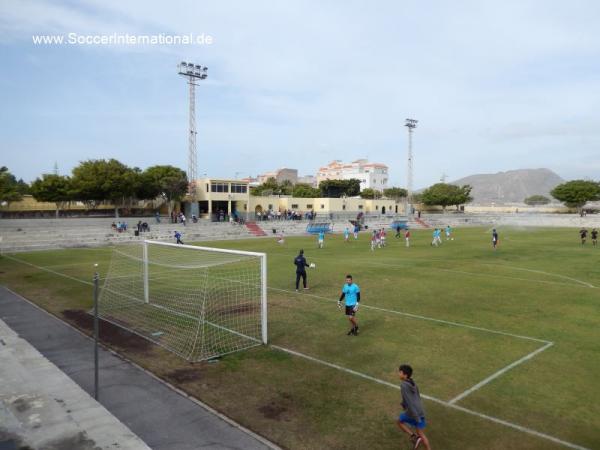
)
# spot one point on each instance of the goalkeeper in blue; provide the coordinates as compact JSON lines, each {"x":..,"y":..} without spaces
{"x":351,"y":293}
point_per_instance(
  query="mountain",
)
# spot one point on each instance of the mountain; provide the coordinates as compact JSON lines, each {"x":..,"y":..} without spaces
{"x":511,"y":186}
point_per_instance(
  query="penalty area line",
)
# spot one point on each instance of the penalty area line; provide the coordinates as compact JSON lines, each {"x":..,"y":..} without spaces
{"x":434,"y":399}
{"x":499,"y":373}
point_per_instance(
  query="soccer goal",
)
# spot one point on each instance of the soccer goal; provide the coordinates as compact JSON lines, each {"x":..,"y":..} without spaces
{"x":197,"y":302}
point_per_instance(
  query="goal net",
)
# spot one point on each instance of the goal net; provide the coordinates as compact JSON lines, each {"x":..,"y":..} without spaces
{"x":197,"y":302}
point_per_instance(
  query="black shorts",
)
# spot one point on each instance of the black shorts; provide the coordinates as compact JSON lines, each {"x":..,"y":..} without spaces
{"x":350,"y":310}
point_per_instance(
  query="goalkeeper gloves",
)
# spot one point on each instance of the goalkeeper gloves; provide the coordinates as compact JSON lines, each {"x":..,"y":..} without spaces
{"x":339,"y":304}
{"x":356,"y":307}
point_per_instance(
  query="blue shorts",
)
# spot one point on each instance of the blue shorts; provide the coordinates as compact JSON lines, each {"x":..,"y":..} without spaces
{"x":405,"y":418}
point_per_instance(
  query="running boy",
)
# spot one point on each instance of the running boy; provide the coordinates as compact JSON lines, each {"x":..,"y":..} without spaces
{"x":407,"y":237}
{"x":414,"y":414}
{"x":350,"y":292}
{"x":178,"y":238}
{"x":346,"y":234}
{"x":594,"y":237}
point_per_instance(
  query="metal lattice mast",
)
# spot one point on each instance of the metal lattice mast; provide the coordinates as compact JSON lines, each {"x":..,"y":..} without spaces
{"x":192,"y":72}
{"x":193,"y":151}
{"x":411,"y":124}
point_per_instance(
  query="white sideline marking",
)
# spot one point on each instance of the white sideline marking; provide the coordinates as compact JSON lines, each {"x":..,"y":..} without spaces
{"x":50,"y":270}
{"x":547,"y":273}
{"x":491,"y":275}
{"x":500,"y":372}
{"x":416,"y":316}
{"x":507,"y":266}
{"x":436,"y":400}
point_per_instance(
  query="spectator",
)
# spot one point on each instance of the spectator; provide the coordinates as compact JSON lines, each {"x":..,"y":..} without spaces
{"x":157,"y":216}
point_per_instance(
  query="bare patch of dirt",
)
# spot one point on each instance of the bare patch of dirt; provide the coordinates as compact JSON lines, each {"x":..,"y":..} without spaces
{"x":185,"y":375}
{"x":236,"y":310}
{"x":272,"y":411}
{"x":109,"y":333}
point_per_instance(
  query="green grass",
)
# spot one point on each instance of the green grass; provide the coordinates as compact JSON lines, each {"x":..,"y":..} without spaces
{"x":538,"y":284}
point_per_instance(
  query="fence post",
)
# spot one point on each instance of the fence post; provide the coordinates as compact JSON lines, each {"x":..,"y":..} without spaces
{"x":96,"y":279}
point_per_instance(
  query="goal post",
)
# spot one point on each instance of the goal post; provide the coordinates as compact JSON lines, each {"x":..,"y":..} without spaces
{"x":198,"y":302}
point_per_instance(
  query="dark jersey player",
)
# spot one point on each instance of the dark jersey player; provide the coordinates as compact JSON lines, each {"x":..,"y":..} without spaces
{"x":594,"y":237}
{"x":351,"y":293}
{"x":583,"y":235}
{"x":301,"y":265}
{"x":494,"y":238}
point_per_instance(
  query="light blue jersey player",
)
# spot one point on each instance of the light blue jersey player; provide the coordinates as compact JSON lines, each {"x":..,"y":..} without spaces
{"x":351,"y":293}
{"x":321,"y":238}
{"x":346,"y":234}
{"x":449,"y":233}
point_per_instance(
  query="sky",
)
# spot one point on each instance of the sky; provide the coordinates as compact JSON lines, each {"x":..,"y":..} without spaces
{"x":494,"y":85}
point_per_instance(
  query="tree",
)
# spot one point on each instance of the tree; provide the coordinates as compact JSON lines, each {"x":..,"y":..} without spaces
{"x":304,"y":190}
{"x":395,"y":193}
{"x":338,"y":188}
{"x":576,"y":193}
{"x":168,"y":182}
{"x":10,"y":189}
{"x":446,"y":194}
{"x":370,"y":193}
{"x":269,"y":187}
{"x":537,"y":200}
{"x":98,"y":180}
{"x":52,"y":188}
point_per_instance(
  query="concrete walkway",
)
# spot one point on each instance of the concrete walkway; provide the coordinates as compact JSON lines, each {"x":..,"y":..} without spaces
{"x":42,"y":408}
{"x":161,"y":417}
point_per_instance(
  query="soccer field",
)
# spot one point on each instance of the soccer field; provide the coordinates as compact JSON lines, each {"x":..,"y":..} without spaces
{"x":504,"y":344}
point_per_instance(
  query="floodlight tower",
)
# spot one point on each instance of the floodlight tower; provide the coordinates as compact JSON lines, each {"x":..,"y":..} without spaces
{"x":193,"y":73}
{"x":411,"y":124}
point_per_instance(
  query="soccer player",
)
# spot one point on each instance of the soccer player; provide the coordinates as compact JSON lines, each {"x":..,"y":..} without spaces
{"x":281,"y":239}
{"x":494,"y":239}
{"x":356,"y":229}
{"x":346,"y":234}
{"x":178,"y":238}
{"x":448,"y":233}
{"x":382,"y":236}
{"x":398,"y":228}
{"x":301,"y":265}
{"x":583,"y":234}
{"x":321,"y":238}
{"x":407,"y":237}
{"x":435,"y":237}
{"x":373,"y":240}
{"x":413,"y":414}
{"x":350,"y":292}
{"x":594,"y":237}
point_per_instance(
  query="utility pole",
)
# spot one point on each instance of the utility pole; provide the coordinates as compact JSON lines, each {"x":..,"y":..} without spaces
{"x":193,"y":73}
{"x":411,"y":124}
